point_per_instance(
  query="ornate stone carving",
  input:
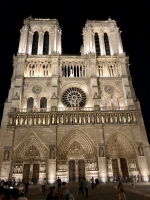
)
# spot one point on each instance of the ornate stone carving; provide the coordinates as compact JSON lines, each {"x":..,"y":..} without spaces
{"x":37,"y":89}
{"x":52,"y":153}
{"x":132,"y":164}
{"x":109,"y":89}
{"x":101,"y":152}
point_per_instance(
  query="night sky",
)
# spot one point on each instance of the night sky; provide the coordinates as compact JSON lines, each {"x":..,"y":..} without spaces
{"x":132,"y":17}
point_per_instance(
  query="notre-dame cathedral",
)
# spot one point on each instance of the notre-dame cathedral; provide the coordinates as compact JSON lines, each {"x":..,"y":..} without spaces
{"x":72,"y":116}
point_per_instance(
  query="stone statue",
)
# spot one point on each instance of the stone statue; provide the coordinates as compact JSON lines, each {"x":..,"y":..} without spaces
{"x":80,"y":119}
{"x":10,"y":120}
{"x":48,"y":119}
{"x":128,"y":118}
{"x":111,"y":118}
{"x":115,"y":118}
{"x":57,"y":119}
{"x":71,"y":119}
{"x":102,"y":119}
{"x":84,"y":121}
{"x":75,"y":119}
{"x":101,"y":152}
{"x":53,"y":119}
{"x":134,"y":118}
{"x":52,"y":154}
{"x":92,"y":119}
{"x":15,"y":170}
{"x":66,"y":119}
{"x":128,"y":95}
{"x":6,"y":155}
{"x":106,"y":118}
{"x":71,"y":73}
{"x":97,"y":118}
{"x":17,"y":120}
{"x":61,"y":119}
{"x":109,"y":161}
{"x":141,"y":151}
{"x":124,"y":118}
{"x":88,"y":119}
{"x":120,"y":118}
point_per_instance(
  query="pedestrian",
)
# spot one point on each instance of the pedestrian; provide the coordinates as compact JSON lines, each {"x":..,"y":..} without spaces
{"x":43,"y":186}
{"x":81,"y":185}
{"x":86,"y":187}
{"x":97,"y":183}
{"x":121,"y":192}
{"x":92,"y":181}
{"x":59,"y":184}
{"x":63,"y":192}
{"x":52,"y":195}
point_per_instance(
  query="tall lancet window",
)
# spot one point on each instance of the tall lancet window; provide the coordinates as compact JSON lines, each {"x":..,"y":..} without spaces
{"x":97,"y":44}
{"x":115,"y":103}
{"x":43,"y":102}
{"x":30,"y":102}
{"x":104,"y":103}
{"x":106,"y":41}
{"x":46,"y":43}
{"x":35,"y":43}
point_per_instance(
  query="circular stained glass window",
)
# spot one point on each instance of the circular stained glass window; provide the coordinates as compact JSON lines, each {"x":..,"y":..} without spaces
{"x":74,"y":97}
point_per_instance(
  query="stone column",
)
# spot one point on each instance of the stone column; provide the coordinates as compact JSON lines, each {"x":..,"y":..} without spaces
{"x":51,"y":170}
{"x":40,"y":43}
{"x":120,"y":46}
{"x":143,"y":167}
{"x":55,"y":39}
{"x":23,"y":39}
{"x":102,"y":45}
{"x":30,"y":40}
{"x":102,"y":169}
{"x":31,"y":172}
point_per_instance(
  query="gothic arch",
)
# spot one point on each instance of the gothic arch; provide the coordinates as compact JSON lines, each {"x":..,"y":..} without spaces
{"x":30,"y":140}
{"x":80,"y":138}
{"x":119,"y":145}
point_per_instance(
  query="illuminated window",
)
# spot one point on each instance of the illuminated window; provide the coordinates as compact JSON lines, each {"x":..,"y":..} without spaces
{"x":30,"y":102}
{"x":97,"y":44}
{"x":46,"y":43}
{"x":35,"y":43}
{"x":106,"y":41}
{"x":43,"y":102}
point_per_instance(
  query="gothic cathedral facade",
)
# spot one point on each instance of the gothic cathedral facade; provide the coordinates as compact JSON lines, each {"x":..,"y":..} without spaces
{"x":72,"y":116}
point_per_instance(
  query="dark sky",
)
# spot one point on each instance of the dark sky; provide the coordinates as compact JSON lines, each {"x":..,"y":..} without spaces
{"x":132,"y":17}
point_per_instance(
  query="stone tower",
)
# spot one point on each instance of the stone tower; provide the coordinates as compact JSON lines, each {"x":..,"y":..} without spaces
{"x":72,"y":116}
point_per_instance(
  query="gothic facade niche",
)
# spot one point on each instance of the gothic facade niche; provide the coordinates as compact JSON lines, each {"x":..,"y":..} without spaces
{"x":30,"y":150}
{"x":119,"y":146}
{"x":77,"y":145}
{"x":7,"y":153}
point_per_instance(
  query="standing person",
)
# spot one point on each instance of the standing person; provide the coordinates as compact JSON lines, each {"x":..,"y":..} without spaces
{"x":59,"y":184}
{"x":92,"y":180}
{"x":26,"y":186}
{"x":43,"y":186}
{"x":81,"y":185}
{"x":121,"y":192}
{"x":86,"y":187}
{"x":63,"y":192}
{"x":52,"y":195}
{"x":97,"y":183}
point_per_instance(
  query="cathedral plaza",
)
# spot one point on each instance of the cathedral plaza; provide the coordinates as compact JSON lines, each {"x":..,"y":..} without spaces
{"x":72,"y":116}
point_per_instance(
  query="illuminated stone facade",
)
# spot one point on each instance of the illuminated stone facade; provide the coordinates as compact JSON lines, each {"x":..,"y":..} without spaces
{"x":72,"y":116}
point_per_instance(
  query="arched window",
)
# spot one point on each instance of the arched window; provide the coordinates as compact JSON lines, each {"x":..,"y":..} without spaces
{"x":115,"y":103}
{"x":97,"y":44}
{"x":104,"y":103}
{"x":35,"y":43}
{"x":43,"y":102}
{"x":30,"y":102}
{"x":106,"y":41}
{"x":46,"y":43}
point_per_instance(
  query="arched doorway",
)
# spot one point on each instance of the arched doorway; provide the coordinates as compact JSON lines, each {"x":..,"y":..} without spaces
{"x":121,"y":155}
{"x":30,"y":157}
{"x":76,"y":149}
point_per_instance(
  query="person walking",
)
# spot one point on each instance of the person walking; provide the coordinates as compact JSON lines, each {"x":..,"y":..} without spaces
{"x":92,"y":181}
{"x":52,"y":195}
{"x":59,"y":184}
{"x":121,"y":192}
{"x":86,"y":187}
{"x":81,"y":185}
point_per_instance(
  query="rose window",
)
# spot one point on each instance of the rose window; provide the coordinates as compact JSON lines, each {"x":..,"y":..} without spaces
{"x":74,"y":97}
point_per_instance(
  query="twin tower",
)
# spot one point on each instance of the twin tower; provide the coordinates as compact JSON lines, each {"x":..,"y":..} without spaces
{"x":72,"y":116}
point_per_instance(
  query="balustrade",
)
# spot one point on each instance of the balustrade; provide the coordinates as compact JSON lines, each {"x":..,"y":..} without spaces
{"x":69,"y":118}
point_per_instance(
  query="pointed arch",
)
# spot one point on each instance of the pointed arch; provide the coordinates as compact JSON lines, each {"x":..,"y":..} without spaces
{"x":43,"y":102}
{"x":106,"y":42}
{"x":97,"y":44}
{"x":119,"y":145}
{"x":46,"y":43}
{"x":30,"y":102}
{"x":35,"y":43}
{"x":78,"y":137}
{"x":30,"y":141}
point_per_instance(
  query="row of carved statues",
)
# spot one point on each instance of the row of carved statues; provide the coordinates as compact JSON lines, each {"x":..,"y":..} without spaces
{"x":18,"y":169}
{"x":90,"y":118}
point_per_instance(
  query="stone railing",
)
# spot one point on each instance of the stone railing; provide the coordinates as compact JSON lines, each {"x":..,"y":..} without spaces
{"x":71,"y":118}
{"x":96,"y":108}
